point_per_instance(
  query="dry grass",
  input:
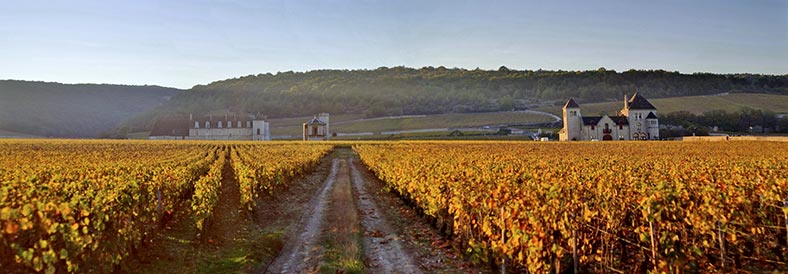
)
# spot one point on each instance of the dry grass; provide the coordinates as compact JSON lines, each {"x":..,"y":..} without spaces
{"x":343,"y":251}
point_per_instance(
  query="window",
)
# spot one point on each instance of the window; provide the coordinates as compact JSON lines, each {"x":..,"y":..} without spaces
{"x":207,"y":124}
{"x":239,"y":124}
{"x":620,"y":126}
{"x":196,"y":124}
{"x":258,"y":131}
{"x":219,"y":125}
{"x":248,"y":123}
{"x":229,"y":124}
{"x":574,"y":113}
{"x":592,"y":127}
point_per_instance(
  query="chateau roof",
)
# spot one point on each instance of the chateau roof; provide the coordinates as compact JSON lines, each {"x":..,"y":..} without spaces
{"x":223,"y":118}
{"x":594,"y":120}
{"x":620,"y":120}
{"x":591,"y":120}
{"x":639,"y":102}
{"x":571,"y":104}
{"x":651,"y":115}
{"x":315,"y":121}
{"x":171,"y":127}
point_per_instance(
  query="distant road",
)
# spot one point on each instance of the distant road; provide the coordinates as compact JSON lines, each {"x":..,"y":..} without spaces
{"x":556,"y":119}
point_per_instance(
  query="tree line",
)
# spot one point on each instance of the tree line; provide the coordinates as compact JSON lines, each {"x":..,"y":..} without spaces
{"x":432,"y":90}
{"x":746,"y":120}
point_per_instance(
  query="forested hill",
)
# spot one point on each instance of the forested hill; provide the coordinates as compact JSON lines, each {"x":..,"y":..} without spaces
{"x":63,"y":110}
{"x":400,"y":90}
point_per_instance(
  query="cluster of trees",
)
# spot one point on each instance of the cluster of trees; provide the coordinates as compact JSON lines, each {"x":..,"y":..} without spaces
{"x":431,"y":90}
{"x":746,"y":120}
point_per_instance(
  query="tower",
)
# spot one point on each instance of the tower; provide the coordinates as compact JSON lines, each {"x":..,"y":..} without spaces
{"x":572,"y":121}
{"x":316,"y":129}
{"x":260,"y":130}
{"x":637,"y":110}
{"x":652,"y":126}
{"x":324,"y":117}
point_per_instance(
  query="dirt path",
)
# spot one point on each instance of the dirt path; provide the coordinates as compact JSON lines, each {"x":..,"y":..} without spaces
{"x":351,"y":221}
{"x":302,"y":251}
{"x":427,"y":249}
{"x":382,"y":245}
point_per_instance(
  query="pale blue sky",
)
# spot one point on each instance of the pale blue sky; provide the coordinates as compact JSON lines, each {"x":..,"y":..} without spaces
{"x":185,"y":43}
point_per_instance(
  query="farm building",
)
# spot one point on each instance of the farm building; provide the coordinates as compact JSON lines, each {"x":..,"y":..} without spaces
{"x":317,"y":128}
{"x":245,"y":127}
{"x":637,"y":120}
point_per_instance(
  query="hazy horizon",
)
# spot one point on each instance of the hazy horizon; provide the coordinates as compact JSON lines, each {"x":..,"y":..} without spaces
{"x":183,"y":43}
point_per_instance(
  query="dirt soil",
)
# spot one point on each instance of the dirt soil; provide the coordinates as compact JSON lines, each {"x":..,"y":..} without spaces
{"x":395,"y":238}
{"x":382,"y":244}
{"x":302,"y":251}
{"x":298,"y":229}
{"x":414,"y":245}
{"x":236,"y":241}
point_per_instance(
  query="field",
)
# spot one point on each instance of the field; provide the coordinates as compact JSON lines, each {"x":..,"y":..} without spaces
{"x":695,"y":104}
{"x":621,"y":206}
{"x":451,"y":206}
{"x":69,"y":205}
{"x":292,"y":126}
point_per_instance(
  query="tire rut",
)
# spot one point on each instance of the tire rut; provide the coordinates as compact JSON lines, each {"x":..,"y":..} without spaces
{"x":302,"y":251}
{"x":383,"y":247}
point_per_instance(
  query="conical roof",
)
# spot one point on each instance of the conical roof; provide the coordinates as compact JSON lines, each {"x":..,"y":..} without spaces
{"x":315,"y":121}
{"x":571,"y":104}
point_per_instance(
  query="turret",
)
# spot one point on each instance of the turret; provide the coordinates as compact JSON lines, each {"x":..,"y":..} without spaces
{"x":572,"y":121}
{"x":324,"y":117}
{"x":652,"y":126}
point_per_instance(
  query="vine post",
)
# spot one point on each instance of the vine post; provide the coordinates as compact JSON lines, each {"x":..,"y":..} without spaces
{"x":574,"y":243}
{"x":785,"y":213}
{"x":653,"y":237}
{"x":721,"y":236}
{"x":159,"y":207}
{"x":503,"y":240}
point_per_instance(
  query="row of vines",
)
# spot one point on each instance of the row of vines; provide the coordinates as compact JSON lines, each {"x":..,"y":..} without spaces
{"x":79,"y":205}
{"x":600,"y":207}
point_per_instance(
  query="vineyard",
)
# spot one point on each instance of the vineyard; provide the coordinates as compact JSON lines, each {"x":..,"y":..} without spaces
{"x":600,"y":207}
{"x":86,"y":206}
{"x":67,"y":205}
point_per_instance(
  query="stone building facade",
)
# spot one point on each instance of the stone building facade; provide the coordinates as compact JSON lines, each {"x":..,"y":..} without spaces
{"x":637,"y":120}
{"x":245,"y":127}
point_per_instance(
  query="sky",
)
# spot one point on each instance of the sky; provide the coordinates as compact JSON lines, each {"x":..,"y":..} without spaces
{"x":185,"y":43}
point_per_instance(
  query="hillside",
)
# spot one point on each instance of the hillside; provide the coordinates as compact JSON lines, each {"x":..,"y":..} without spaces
{"x":79,"y":110}
{"x":429,"y":90}
{"x":439,"y":122}
{"x":731,"y":102}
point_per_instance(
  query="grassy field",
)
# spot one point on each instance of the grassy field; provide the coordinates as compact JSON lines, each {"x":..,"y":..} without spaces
{"x":452,"y":120}
{"x":695,"y":104}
